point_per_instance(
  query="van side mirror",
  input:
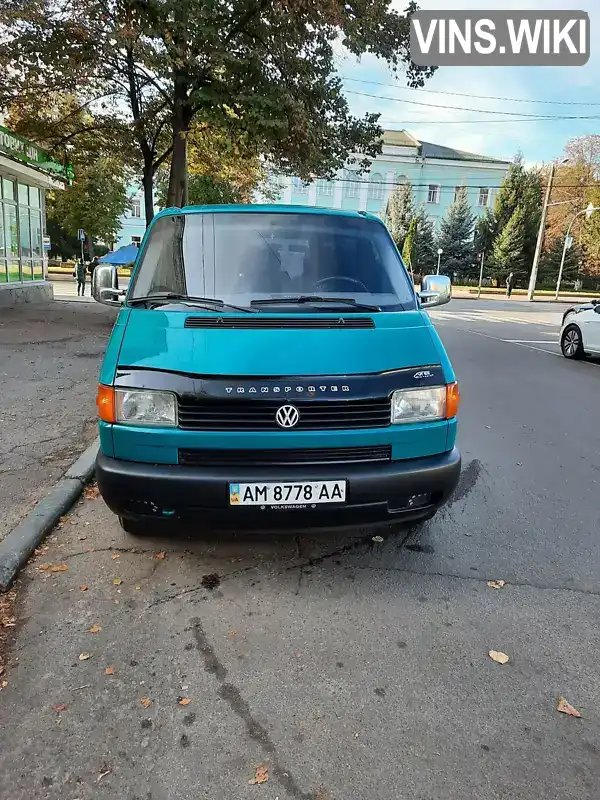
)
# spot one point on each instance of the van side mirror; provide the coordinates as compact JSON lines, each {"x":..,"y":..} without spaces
{"x":436,"y":290}
{"x":105,"y":285}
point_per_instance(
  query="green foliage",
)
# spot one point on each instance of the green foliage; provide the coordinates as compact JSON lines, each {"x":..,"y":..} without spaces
{"x":456,"y":236}
{"x":521,"y":188}
{"x":508,"y":253}
{"x":267,"y":69}
{"x":409,"y":248}
{"x":485,"y":232}
{"x":95,"y":202}
{"x":550,"y":262}
{"x":400,"y":212}
{"x":425,"y":255}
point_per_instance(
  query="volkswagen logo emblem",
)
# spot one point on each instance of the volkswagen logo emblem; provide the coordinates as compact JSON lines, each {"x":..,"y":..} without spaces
{"x":287,"y":416}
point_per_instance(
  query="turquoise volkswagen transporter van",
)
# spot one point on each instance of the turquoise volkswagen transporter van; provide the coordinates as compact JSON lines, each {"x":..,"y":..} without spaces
{"x":272,"y":367}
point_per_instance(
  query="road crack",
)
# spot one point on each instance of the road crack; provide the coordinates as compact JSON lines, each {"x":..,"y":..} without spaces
{"x":241,"y":708}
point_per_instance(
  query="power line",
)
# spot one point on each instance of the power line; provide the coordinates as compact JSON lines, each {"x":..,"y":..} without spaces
{"x":465,"y":94}
{"x":522,"y":117}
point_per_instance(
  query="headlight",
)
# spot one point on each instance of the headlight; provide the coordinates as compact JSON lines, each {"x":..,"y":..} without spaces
{"x":141,"y":407}
{"x":418,"y":405}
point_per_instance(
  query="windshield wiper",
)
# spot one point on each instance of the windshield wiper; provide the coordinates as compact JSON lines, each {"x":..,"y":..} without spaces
{"x":212,"y":303}
{"x":313,"y":298}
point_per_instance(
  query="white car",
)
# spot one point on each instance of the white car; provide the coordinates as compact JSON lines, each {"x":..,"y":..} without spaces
{"x":580,"y":333}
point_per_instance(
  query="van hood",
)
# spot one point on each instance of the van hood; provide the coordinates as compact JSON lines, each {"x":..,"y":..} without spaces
{"x":158,"y":340}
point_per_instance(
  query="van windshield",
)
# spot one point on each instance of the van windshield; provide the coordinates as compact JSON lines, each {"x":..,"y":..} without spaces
{"x":252,"y":259}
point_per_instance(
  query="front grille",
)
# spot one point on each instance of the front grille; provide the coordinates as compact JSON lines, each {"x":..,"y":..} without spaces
{"x":263,"y":458}
{"x":259,"y":415}
{"x":280,"y":323}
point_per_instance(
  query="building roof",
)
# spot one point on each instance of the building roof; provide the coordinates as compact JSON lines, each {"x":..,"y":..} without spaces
{"x":429,"y":150}
{"x":403,"y":138}
{"x":399,"y":139}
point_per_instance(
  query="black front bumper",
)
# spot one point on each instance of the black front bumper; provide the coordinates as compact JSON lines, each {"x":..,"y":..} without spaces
{"x":378,"y":493}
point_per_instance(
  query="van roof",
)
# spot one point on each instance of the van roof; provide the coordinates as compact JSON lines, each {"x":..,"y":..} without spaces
{"x":270,"y":208}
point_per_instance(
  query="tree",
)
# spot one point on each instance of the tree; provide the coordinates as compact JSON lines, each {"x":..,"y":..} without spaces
{"x":551,"y":258}
{"x":409,"y":248}
{"x":456,"y":235}
{"x":399,"y":213}
{"x":485,"y":232}
{"x":425,"y":253}
{"x":95,"y":201}
{"x":521,"y":188}
{"x":508,"y":252}
{"x":243,"y":65}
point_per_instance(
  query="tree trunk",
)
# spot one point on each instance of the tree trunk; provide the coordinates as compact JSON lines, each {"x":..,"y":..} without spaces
{"x":148,"y":184}
{"x":177,"y":193}
{"x":90,"y":244}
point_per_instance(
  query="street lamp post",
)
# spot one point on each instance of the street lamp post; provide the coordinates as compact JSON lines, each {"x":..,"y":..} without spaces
{"x":482,"y":256}
{"x":588,"y":212}
{"x":440,"y":251}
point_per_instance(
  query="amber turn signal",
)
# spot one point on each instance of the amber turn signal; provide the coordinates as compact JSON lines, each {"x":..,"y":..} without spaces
{"x":105,"y":400}
{"x":452,"y":400}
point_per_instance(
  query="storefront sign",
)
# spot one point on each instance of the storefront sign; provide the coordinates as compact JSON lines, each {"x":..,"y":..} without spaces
{"x":22,"y":150}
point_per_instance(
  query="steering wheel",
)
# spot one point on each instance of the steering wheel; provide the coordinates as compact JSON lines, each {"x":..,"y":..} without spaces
{"x":342,"y":278}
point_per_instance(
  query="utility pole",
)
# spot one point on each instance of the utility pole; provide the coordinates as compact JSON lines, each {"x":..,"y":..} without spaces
{"x":540,"y":237}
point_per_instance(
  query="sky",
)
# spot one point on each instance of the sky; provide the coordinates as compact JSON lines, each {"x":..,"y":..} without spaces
{"x":539,"y":141}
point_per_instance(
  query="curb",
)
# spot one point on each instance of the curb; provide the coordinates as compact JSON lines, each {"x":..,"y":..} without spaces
{"x":20,"y":543}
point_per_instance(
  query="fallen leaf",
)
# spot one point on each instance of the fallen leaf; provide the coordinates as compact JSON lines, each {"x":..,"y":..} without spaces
{"x":94,"y":629}
{"x":91,"y":492}
{"x":1,"y":670}
{"x":83,"y":587}
{"x":53,"y":568}
{"x":566,"y":708}
{"x":377,"y":538}
{"x":84,"y":656}
{"x":496,"y":584}
{"x":498,"y":656}
{"x":8,"y":622}
{"x":261,"y":775}
{"x":146,"y":702}
{"x":4,"y":684}
{"x":102,"y":774}
{"x":116,"y":555}
{"x":233,"y":634}
{"x":59,"y":708}
{"x":109,"y":671}
{"x":117,"y":581}
{"x":137,"y":588}
{"x":184,"y":701}
{"x":160,"y":555}
{"x":297,"y":655}
{"x":82,"y":538}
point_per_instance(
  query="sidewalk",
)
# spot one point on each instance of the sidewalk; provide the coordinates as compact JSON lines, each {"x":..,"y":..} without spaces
{"x":49,"y":360}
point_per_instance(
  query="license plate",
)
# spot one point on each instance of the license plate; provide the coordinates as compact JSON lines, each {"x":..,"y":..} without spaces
{"x":303,"y":493}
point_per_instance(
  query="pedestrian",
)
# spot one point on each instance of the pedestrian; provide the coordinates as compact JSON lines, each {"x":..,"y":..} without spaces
{"x":80,"y":275}
{"x":510,"y":282}
{"x":92,"y":266}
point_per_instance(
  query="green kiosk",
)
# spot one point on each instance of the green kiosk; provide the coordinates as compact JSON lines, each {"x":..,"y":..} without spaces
{"x":26,"y":172}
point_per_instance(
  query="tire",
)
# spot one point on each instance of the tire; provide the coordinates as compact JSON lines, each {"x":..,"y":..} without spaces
{"x":135,"y":527}
{"x":571,"y":343}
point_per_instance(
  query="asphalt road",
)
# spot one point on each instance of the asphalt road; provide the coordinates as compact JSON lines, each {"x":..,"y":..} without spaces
{"x":350,"y":669}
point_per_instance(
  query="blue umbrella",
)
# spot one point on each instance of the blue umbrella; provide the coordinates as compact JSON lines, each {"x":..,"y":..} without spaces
{"x":124,"y":255}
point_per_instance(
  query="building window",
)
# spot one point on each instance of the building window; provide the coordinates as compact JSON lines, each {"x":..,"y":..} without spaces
{"x":400,"y":179}
{"x":351,"y":185}
{"x":136,"y":207}
{"x":433,"y":195}
{"x":484,"y":196}
{"x":21,"y":244}
{"x":136,"y":240}
{"x":375,"y":186}
{"x":299,"y":186}
{"x":324,"y":188}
